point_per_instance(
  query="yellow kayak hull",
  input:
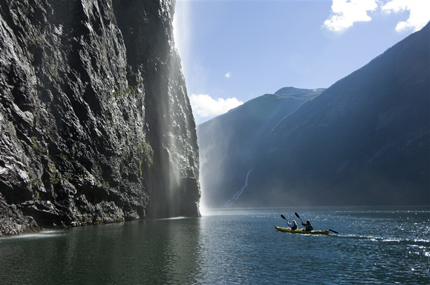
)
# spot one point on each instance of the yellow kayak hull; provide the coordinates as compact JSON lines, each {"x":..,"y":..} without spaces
{"x":300,"y":231}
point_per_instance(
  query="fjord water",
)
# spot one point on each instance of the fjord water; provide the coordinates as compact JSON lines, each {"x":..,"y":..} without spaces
{"x":374,"y":246}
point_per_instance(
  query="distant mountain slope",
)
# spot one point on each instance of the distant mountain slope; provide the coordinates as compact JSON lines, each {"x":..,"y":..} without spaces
{"x":228,"y":142}
{"x":363,"y":141}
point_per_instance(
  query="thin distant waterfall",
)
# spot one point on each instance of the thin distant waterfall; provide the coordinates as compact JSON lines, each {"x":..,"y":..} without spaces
{"x":236,"y":196}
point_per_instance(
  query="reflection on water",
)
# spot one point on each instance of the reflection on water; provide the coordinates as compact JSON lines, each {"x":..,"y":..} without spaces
{"x":150,"y":252}
{"x":41,"y":234}
{"x":373,"y":247}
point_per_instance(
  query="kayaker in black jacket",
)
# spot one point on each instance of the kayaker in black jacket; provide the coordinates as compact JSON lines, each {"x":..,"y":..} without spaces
{"x":293,"y":226}
{"x":308,"y":226}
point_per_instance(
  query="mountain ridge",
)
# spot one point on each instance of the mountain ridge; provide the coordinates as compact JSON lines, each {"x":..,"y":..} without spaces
{"x":252,"y":120}
{"x":364,"y":140}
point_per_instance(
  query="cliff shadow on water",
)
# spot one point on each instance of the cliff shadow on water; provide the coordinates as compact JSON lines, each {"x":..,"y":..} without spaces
{"x":96,"y":126}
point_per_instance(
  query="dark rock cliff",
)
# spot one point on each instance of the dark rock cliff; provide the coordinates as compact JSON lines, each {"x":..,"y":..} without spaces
{"x":95,"y":121}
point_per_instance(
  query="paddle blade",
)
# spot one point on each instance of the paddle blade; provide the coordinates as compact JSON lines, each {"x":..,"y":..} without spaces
{"x":333,"y":231}
{"x":282,"y":216}
{"x":297,"y":215}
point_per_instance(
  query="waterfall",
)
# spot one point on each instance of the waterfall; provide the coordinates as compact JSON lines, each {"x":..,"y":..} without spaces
{"x":236,"y":196}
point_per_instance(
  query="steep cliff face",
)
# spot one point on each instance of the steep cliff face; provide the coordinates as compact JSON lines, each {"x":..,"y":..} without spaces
{"x":96,"y":125}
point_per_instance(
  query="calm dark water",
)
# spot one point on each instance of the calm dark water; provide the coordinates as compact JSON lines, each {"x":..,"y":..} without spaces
{"x":374,"y":246}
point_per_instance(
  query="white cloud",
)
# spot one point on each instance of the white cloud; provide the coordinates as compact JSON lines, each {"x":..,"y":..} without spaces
{"x":347,"y":12}
{"x":419,"y":14}
{"x":228,"y":74}
{"x":205,"y":106}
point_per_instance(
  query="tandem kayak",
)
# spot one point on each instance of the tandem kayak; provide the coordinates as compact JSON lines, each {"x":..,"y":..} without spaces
{"x":300,"y":231}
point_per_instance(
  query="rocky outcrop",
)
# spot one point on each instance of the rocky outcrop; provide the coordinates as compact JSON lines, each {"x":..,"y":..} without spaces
{"x":95,"y":121}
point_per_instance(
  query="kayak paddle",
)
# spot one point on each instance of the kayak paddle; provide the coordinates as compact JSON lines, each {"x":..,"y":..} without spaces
{"x":297,"y":215}
{"x":282,"y":216}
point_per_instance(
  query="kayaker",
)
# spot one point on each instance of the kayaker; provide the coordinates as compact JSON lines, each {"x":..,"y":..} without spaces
{"x":293,"y":226}
{"x":308,"y":226}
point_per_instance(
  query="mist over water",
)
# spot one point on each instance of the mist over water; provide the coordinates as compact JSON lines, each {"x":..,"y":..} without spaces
{"x":374,"y":246}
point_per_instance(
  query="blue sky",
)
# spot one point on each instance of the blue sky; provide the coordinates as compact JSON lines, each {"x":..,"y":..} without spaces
{"x":236,"y":50}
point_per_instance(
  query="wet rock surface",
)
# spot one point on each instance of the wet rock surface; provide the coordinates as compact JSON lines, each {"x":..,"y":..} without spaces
{"x":96,"y":126}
